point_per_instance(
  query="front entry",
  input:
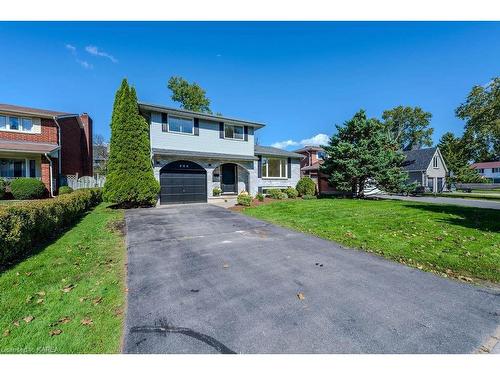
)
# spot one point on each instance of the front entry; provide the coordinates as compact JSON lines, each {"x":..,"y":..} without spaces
{"x":229,"y":183}
{"x":183,"y":182}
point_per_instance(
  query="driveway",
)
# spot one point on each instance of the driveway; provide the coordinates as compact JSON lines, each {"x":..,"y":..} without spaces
{"x":495,"y":205}
{"x":203,"y":279}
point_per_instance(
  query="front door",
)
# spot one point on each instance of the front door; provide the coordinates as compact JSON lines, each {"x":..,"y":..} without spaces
{"x":229,"y":183}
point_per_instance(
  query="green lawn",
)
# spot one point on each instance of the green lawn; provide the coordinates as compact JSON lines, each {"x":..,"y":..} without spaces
{"x":483,"y":196}
{"x":69,"y":297}
{"x":454,"y":241}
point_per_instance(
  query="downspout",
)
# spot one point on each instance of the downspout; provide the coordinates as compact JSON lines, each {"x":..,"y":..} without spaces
{"x":50,"y":174}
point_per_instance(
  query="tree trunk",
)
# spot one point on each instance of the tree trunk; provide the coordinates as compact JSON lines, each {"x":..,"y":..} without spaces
{"x":361,"y":189}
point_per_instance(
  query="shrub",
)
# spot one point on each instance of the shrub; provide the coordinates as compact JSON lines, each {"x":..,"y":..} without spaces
{"x":291,"y":193}
{"x":244,"y":199}
{"x":260,"y":197}
{"x":3,"y":186}
{"x":216,"y":191}
{"x":26,"y":225}
{"x":130,"y":180}
{"x":65,"y":190}
{"x":274,"y":193}
{"x":306,"y":186}
{"x":308,"y":196}
{"x":27,"y":188}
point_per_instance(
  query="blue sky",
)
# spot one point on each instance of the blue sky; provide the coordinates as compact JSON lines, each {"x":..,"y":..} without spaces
{"x":299,"y":78}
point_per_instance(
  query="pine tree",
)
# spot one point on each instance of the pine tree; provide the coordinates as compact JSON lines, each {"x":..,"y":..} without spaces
{"x":362,"y":152}
{"x":130,"y":181}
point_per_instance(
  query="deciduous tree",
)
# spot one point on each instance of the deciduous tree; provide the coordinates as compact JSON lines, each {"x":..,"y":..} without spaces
{"x":409,"y":127}
{"x":191,"y":96}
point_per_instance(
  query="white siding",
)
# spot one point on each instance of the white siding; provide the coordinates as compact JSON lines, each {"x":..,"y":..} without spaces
{"x":207,"y":141}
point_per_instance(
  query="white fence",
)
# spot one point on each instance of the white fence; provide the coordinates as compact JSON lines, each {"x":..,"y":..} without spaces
{"x":74,"y":182}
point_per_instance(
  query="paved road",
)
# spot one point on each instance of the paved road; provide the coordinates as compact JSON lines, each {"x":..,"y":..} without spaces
{"x":495,"y":205}
{"x":203,"y":279}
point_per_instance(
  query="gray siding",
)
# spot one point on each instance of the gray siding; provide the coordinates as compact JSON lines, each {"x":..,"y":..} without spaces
{"x":208,"y":139}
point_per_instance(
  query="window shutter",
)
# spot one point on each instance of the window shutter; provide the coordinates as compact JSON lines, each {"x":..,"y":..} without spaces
{"x":164,"y":122}
{"x":259,"y":167}
{"x":245,"y":131}
{"x":221,"y":130}
{"x":196,"y":126}
{"x":289,"y":172}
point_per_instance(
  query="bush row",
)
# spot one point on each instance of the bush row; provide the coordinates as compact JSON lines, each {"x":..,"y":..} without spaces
{"x":26,"y":225}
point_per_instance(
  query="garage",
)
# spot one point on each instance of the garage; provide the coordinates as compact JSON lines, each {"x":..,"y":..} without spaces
{"x":183,"y":182}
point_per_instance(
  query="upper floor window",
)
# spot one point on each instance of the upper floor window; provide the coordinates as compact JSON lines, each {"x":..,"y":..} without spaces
{"x":435,"y":162}
{"x":274,"y":168}
{"x":180,"y":125}
{"x":321,"y":155}
{"x":233,"y":132}
{"x":480,"y":170}
{"x":495,"y":170}
{"x":16,"y":123}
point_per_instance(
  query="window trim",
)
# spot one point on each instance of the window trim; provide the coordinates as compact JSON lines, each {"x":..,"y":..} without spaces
{"x":20,"y":127}
{"x":435,"y":163}
{"x":266,"y":175}
{"x":495,"y":170}
{"x":181,"y":117}
{"x":234,"y":126}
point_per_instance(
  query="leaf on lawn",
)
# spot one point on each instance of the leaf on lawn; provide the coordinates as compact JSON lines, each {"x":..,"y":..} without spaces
{"x":64,"y":320}
{"x":55,"y":332}
{"x":29,"y":299}
{"x":39,"y":301}
{"x":82,"y":299}
{"x":29,"y":273}
{"x":97,"y":300}
{"x":41,"y":293}
{"x":87,"y":321}
{"x":6,"y":333}
{"x":28,"y":319}
{"x":16,"y":323}
{"x":300,"y":296}
{"x":68,"y":288}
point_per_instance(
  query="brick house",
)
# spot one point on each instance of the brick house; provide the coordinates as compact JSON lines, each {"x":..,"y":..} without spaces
{"x":309,"y":166}
{"x":44,"y":144}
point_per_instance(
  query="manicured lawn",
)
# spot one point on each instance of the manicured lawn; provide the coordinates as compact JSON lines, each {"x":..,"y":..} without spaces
{"x":483,"y":196}
{"x":69,"y":297}
{"x":454,"y":241}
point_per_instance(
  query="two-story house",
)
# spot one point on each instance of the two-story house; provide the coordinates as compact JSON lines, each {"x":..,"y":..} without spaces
{"x":193,"y":153}
{"x":44,"y":144}
{"x":313,"y":157}
{"x":427,"y":168}
{"x":489,"y":169}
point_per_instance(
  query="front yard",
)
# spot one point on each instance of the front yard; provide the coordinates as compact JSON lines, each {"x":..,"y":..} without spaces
{"x":453,"y":241}
{"x":68,"y":297}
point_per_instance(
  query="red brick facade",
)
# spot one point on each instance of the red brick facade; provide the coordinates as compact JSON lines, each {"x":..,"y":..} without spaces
{"x":48,"y":134}
{"x":311,"y":159}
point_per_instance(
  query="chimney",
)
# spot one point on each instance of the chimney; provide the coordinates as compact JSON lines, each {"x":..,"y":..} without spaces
{"x":87,"y":149}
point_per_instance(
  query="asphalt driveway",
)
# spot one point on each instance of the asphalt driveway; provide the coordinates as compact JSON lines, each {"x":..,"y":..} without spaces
{"x":203,"y":279}
{"x":494,"y":205}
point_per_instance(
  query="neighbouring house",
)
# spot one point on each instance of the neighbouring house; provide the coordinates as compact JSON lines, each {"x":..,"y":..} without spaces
{"x":427,"y":168}
{"x":490,"y":170}
{"x":193,"y":153}
{"x":101,"y":156}
{"x":44,"y":144}
{"x":313,"y":157}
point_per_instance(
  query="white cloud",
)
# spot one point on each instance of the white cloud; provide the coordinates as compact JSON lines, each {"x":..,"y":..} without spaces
{"x":93,"y":50}
{"x":85,"y":64}
{"x":71,"y":48}
{"x":317,"y":140}
{"x":284,"y":144}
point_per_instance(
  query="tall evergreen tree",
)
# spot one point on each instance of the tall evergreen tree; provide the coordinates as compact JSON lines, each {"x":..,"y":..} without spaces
{"x":361,"y":151}
{"x":130,"y":180}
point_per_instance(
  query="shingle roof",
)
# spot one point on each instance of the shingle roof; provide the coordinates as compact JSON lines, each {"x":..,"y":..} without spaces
{"x":30,"y":147}
{"x":313,"y":167}
{"x":486,"y":164}
{"x":418,"y":160}
{"x":309,"y":148}
{"x":30,"y":111}
{"x":273,"y":151}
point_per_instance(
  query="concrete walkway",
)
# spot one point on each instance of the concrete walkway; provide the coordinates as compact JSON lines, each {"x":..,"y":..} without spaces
{"x":203,"y":279}
{"x":495,"y":205}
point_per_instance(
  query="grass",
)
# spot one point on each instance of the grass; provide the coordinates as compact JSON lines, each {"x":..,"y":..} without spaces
{"x":454,"y":241}
{"x":486,"y":196}
{"x":69,"y":296}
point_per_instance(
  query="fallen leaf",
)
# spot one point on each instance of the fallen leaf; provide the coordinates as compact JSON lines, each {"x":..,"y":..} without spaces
{"x":16,"y":323}
{"x":29,"y":299}
{"x":41,"y":293}
{"x":300,"y":296}
{"x":29,"y":273}
{"x":87,"y":321}
{"x":64,"y":320}
{"x":97,"y":300}
{"x":28,"y":319}
{"x":68,"y":288}
{"x":6,"y":333}
{"x":55,"y":332}
{"x":39,"y":300}
{"x":83,"y":299}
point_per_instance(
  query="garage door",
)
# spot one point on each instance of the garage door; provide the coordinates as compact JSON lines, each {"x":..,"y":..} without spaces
{"x":183,"y":182}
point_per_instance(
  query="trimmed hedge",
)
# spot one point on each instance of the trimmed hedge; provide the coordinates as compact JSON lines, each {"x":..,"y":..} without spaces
{"x":65,"y":190}
{"x":306,"y":186}
{"x":26,"y":225}
{"x":27,"y":188}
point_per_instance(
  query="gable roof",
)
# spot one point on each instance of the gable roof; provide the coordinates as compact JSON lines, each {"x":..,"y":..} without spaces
{"x":418,"y":160}
{"x":30,"y":111}
{"x":309,"y":148}
{"x":273,"y":151}
{"x":486,"y":164}
{"x":200,"y":115}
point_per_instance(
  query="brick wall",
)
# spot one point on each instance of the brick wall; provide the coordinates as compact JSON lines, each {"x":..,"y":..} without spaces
{"x":86,"y":145}
{"x":48,"y":134}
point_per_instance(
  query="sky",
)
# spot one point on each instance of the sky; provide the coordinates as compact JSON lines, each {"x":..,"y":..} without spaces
{"x":298,"y":78}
